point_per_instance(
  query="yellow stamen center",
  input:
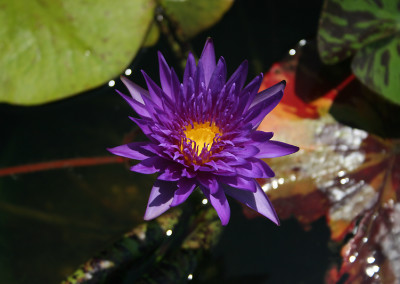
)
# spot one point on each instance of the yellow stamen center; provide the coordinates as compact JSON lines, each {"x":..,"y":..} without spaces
{"x":202,"y":134}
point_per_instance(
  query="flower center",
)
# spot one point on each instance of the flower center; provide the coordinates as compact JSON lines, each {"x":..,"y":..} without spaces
{"x":202,"y":135}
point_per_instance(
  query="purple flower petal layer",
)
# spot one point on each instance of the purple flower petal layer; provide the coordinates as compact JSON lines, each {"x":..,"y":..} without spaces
{"x":257,"y":201}
{"x":160,"y":199}
{"x":273,"y":149}
{"x":150,"y":166}
{"x":133,"y":150}
{"x":185,"y":188}
{"x":208,"y":60}
{"x":220,"y":204}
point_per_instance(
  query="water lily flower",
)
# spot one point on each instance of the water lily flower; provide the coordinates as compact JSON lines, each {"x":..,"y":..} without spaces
{"x":203,"y":133}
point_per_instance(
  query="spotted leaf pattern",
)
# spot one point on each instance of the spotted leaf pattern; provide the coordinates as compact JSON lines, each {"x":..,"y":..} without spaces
{"x":369,"y":31}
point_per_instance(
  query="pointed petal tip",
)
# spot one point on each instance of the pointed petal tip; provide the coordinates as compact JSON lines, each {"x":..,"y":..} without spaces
{"x":276,"y":221}
{"x":147,"y":218}
{"x":124,"y":80}
{"x":209,"y":44}
{"x":160,"y":56}
{"x":224,"y":222}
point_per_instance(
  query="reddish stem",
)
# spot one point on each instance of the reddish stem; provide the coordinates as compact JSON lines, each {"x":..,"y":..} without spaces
{"x":77,"y":162}
{"x":333,"y":92}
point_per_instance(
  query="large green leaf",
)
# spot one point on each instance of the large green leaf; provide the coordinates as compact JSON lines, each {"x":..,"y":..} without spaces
{"x":377,"y":66}
{"x":370,"y":31}
{"x":193,"y":16}
{"x":51,"y":49}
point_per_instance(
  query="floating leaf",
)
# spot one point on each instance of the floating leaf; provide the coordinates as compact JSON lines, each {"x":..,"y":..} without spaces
{"x":372,"y":256}
{"x":193,"y":16}
{"x":54,"y":49}
{"x":369,"y":30}
{"x":341,"y":172}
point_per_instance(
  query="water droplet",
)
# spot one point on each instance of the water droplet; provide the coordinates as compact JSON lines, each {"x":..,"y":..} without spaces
{"x":281,"y":181}
{"x":369,"y":271}
{"x":128,"y":72}
{"x":160,"y":17}
{"x":190,"y":276}
{"x":292,"y":52}
{"x":352,"y":258}
{"x":371,"y":259}
{"x":168,"y":233}
{"x":302,"y":42}
{"x":204,"y":201}
{"x":344,"y":180}
{"x":111,"y":83}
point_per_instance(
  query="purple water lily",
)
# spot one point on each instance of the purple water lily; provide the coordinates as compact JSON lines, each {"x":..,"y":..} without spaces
{"x":203,"y":134}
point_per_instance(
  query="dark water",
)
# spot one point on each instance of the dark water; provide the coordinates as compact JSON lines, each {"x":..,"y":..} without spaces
{"x":52,"y":221}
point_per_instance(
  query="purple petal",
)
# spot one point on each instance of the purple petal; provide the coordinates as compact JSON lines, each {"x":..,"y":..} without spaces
{"x":151,"y":165}
{"x":257,"y":201}
{"x":165,"y":75}
{"x":175,"y":86}
{"x":144,"y":124}
{"x":261,"y":136}
{"x":185,"y":188}
{"x":135,"y":91}
{"x":255,"y":168}
{"x":208,"y":181}
{"x":208,"y":59}
{"x":248,"y":93}
{"x":263,"y":103}
{"x":133,"y":150}
{"x":272,"y":149}
{"x":218,"y":78}
{"x":190,"y":68}
{"x":139,"y":108}
{"x":160,"y":199}
{"x":245,"y":152}
{"x":172,"y":172}
{"x":224,"y":168}
{"x":155,"y":91}
{"x":271,"y":91}
{"x":199,"y":78}
{"x":239,"y":182}
{"x":220,"y":204}
{"x":239,"y":76}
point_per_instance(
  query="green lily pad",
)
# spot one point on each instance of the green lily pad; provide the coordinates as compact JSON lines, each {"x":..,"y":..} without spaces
{"x":369,"y":30}
{"x":54,"y":49}
{"x":194,"y":16}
